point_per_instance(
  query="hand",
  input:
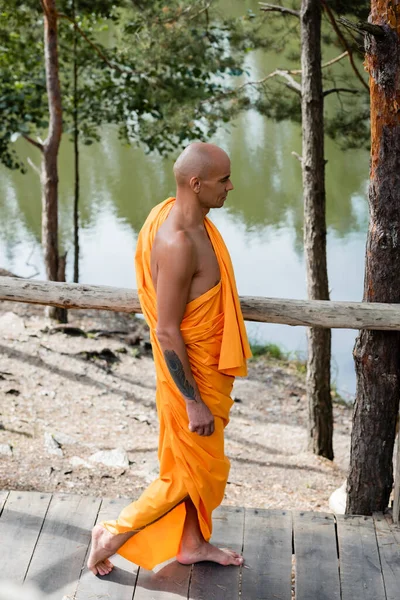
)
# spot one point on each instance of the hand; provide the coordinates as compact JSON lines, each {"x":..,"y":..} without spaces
{"x":201,"y":420}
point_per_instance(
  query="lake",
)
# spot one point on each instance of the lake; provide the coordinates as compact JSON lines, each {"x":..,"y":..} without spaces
{"x":261,"y":221}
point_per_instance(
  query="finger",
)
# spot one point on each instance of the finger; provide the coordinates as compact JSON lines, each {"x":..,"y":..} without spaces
{"x":212,"y":428}
{"x":200,"y":431}
{"x":191,"y":428}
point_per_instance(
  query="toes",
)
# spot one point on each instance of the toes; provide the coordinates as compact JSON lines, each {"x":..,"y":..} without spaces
{"x":102,"y":568}
{"x":108,"y":564}
{"x":232,"y":552}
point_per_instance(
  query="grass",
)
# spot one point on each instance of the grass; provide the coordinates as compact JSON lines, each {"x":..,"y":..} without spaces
{"x":296,"y":359}
{"x":270,"y":350}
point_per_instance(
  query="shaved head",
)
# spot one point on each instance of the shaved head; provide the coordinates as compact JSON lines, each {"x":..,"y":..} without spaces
{"x":199,"y":160}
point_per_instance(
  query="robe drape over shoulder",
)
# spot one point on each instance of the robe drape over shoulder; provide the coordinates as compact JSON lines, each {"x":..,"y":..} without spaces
{"x":190,"y":465}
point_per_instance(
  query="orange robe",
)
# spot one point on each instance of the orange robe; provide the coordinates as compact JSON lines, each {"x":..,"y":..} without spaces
{"x":190,"y":465}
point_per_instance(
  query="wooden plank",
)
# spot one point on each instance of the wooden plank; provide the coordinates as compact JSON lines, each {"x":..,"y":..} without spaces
{"x":267,"y":550}
{"x":317,"y":573}
{"x":211,"y":581}
{"x":396,"y":501}
{"x":389,"y":553}
{"x":61,"y":549}
{"x":360,"y":567}
{"x":120,"y":583}
{"x":169,"y":581}
{"x":3,"y":498}
{"x":394,"y":527}
{"x":20,"y":524}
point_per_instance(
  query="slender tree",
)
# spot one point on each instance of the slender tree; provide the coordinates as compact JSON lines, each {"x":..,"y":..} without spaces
{"x":50,"y":148}
{"x":305,"y":101}
{"x":313,"y":169}
{"x":377,"y":354}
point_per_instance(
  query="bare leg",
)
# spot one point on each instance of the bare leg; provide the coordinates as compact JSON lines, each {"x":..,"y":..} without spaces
{"x":194,"y":548}
{"x":104,"y":545}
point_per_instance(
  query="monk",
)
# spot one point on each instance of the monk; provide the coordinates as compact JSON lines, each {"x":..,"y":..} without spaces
{"x":188,"y":296}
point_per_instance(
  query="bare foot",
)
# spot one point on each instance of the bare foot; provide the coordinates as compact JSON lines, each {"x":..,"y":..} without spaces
{"x":206,"y":551}
{"x":104,"y":545}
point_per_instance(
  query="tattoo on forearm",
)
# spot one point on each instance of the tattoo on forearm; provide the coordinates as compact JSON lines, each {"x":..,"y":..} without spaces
{"x":176,"y":369}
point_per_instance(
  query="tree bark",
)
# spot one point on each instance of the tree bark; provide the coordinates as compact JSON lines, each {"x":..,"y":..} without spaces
{"x":49,"y":172}
{"x":76,"y":157}
{"x":377,"y":354}
{"x":320,"y":427}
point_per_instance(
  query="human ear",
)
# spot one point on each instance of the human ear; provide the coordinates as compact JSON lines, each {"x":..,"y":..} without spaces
{"x":195,"y":184}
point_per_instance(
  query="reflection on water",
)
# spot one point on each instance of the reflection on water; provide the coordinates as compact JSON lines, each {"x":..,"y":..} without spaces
{"x":262,"y":221}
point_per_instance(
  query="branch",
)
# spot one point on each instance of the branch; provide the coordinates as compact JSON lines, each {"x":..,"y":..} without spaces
{"x":33,"y":142}
{"x":292,"y":84}
{"x":363,"y":27}
{"x":274,"y":8}
{"x":344,"y":42}
{"x":337,"y":90}
{"x":281,"y":72}
{"x":324,"y":65}
{"x":204,"y":9}
{"x":299,"y":158}
{"x":34,"y":167}
{"x":96,"y":48}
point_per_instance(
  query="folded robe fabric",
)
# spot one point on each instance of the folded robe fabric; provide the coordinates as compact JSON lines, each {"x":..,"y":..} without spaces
{"x":190,"y":465}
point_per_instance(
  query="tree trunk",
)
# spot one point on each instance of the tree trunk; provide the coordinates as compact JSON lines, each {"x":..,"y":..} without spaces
{"x":49,"y":173}
{"x":313,"y":167}
{"x":76,"y":157}
{"x":377,"y":354}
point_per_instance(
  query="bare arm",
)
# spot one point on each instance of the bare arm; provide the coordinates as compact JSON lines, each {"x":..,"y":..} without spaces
{"x":176,"y":263}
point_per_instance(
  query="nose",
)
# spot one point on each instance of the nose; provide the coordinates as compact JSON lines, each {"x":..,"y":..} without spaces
{"x":229,"y":186}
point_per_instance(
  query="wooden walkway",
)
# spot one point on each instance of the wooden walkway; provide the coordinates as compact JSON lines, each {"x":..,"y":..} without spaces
{"x":44,"y":539}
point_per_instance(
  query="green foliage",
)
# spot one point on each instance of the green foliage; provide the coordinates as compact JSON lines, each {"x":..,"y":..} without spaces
{"x":163,"y":73}
{"x":270,"y":350}
{"x":346,"y":114}
{"x":153,"y":78}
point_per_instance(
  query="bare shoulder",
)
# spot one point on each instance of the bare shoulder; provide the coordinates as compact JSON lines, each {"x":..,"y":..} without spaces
{"x":173,"y":242}
{"x":174,"y":252}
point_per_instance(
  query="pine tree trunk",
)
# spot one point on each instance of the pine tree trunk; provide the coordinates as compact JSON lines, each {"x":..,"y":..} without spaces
{"x":377,"y":354}
{"x":49,"y":173}
{"x":76,"y":157}
{"x":313,"y":166}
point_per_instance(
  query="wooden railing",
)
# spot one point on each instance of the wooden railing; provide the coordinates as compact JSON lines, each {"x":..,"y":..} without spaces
{"x":307,"y":313}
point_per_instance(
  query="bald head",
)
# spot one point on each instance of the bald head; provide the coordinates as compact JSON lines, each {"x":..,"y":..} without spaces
{"x":199,"y":160}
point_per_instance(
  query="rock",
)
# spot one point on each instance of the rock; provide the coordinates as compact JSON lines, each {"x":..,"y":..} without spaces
{"x":76,"y":461}
{"x":149,"y":470}
{"x":337,"y":500}
{"x":68,"y":330}
{"x":13,"y":392}
{"x":142,"y":418}
{"x":111,"y":458}
{"x":133,"y":339}
{"x":63,"y":439}
{"x":6,"y":450}
{"x":11,"y":325}
{"x":51,"y":445}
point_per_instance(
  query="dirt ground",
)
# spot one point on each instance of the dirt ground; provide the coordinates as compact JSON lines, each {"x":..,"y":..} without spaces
{"x":65,"y":398}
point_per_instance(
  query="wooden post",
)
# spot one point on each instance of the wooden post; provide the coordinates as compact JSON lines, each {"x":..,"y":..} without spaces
{"x":396,"y":503}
